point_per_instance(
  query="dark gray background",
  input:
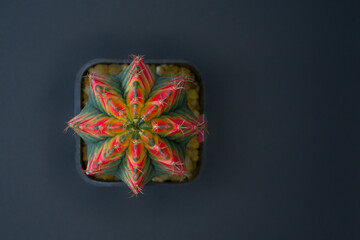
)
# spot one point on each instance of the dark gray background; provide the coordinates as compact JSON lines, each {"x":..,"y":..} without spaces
{"x":282,"y":86}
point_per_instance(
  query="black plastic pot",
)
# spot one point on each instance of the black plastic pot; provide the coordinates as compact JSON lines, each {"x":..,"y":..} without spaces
{"x":77,"y":101}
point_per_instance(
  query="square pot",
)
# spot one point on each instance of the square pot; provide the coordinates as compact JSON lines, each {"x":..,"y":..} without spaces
{"x":162,"y":67}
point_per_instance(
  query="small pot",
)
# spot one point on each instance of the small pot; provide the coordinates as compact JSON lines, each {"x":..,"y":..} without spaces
{"x":80,"y":166}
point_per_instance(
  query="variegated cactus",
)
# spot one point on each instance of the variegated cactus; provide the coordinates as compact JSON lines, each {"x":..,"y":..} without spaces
{"x":136,"y":125}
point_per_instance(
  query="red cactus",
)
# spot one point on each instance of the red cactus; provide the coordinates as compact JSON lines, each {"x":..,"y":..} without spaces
{"x":136,"y":125}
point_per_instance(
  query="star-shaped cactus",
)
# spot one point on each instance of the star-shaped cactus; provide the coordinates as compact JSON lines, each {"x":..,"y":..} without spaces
{"x":136,"y":125}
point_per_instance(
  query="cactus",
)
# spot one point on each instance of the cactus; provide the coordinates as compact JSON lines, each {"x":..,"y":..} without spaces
{"x":136,"y":125}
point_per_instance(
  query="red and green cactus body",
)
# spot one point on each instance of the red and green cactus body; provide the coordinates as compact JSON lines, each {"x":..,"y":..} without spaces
{"x":136,"y":125}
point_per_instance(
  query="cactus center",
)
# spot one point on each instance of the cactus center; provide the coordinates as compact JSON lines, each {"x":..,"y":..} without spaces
{"x":135,"y":125}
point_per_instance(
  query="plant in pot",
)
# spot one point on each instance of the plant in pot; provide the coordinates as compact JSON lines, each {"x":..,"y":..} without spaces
{"x":138,"y":126}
